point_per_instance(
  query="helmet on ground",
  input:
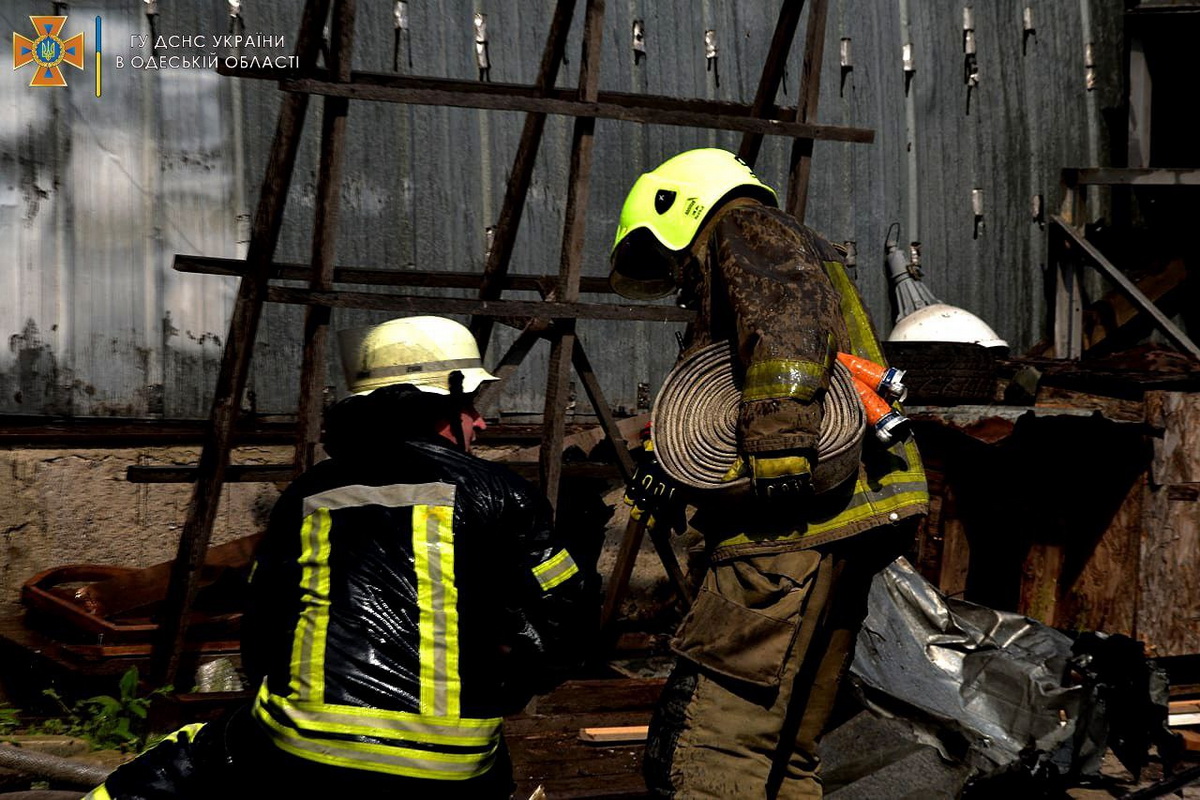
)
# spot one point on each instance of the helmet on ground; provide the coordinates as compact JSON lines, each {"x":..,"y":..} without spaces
{"x":424,"y":352}
{"x":665,"y":210}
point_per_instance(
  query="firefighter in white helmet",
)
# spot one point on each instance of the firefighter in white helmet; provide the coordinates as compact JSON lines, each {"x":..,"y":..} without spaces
{"x":406,"y":596}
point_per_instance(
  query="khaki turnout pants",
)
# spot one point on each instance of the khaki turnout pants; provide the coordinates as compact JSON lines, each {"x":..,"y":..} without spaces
{"x":763,"y":651}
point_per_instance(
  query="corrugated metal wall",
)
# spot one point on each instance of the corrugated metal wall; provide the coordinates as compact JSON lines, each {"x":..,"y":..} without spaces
{"x":98,"y":194}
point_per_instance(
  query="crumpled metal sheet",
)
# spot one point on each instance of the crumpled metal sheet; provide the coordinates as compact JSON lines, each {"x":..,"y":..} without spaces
{"x":978,"y":684}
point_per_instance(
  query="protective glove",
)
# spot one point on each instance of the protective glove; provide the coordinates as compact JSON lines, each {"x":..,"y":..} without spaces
{"x":653,"y":496}
{"x":781,"y":477}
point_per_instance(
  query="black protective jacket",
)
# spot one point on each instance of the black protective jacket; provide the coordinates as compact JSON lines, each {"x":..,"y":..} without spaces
{"x":405,"y":597}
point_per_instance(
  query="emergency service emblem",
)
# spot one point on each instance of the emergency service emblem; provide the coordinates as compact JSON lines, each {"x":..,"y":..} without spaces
{"x":48,"y":52}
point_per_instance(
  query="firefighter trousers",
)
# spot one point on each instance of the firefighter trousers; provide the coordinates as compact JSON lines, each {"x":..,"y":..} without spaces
{"x":763,"y":652}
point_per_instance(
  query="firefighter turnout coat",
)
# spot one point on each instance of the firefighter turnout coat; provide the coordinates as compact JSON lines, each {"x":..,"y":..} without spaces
{"x":780,"y":293}
{"x":405,"y":597}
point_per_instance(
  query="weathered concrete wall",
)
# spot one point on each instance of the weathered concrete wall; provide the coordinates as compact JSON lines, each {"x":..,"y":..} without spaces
{"x":75,"y":507}
{"x":61,"y":507}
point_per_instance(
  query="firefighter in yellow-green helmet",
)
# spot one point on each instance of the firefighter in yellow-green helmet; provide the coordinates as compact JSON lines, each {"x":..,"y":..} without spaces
{"x":768,"y":639}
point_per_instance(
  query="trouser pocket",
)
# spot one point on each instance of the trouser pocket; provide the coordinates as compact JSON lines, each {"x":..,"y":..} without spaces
{"x":746,"y":615}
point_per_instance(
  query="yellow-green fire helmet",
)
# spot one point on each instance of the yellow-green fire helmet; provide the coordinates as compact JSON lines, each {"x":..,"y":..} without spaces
{"x":665,"y":210}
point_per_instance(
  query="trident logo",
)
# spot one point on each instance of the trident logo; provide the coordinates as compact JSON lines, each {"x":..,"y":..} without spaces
{"x":48,"y":51}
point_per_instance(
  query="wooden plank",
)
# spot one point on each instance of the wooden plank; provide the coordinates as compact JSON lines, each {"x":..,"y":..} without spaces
{"x":608,"y":423}
{"x":1068,"y":295}
{"x":772,"y":73}
{"x":497,"y":308}
{"x":618,"y":581}
{"x":314,"y":366}
{"x":281,"y":473}
{"x":235,"y":362}
{"x":1140,"y":92}
{"x":386,"y":277}
{"x":539,"y":724}
{"x":1098,"y":594}
{"x":521,"y":175}
{"x":1132,"y":292}
{"x":499,"y":97}
{"x":1040,"y":581}
{"x":41,"y":431}
{"x":1108,"y":315}
{"x":1168,"y":603}
{"x":489,"y":393}
{"x":1115,"y":176}
{"x":800,"y":167}
{"x":623,"y":734}
{"x":608,"y":694}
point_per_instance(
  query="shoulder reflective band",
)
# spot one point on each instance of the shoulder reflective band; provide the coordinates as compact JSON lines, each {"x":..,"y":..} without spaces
{"x":555,"y":570}
{"x":395,"y":496}
{"x":437,"y":604}
{"x":777,"y":378}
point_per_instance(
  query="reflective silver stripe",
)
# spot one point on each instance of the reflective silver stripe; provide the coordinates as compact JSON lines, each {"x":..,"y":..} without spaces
{"x":433,"y":539}
{"x":555,"y":570}
{"x":426,"y":366}
{"x":379,"y":724}
{"x":394,"y":496}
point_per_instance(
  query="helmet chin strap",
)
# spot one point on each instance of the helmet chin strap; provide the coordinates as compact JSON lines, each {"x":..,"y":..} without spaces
{"x":456,"y":423}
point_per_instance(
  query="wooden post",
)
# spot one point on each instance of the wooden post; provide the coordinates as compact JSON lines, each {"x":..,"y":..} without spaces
{"x":1068,"y":294}
{"x":773,"y":67}
{"x":571,"y":263}
{"x":235,"y":362}
{"x":522,"y":173}
{"x":314,"y":368}
{"x":806,"y":109}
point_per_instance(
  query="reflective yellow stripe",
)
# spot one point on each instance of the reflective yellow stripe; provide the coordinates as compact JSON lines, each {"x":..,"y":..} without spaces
{"x":862,"y":333}
{"x":185,"y":734}
{"x":437,"y":602}
{"x":379,"y":723}
{"x":308,"y":647}
{"x":99,"y":793}
{"x":555,"y":570}
{"x":776,"y":378}
{"x":391,"y":759}
{"x":779,"y":467}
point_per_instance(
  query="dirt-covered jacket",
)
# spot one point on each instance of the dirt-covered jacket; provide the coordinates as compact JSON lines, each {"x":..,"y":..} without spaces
{"x":404,"y":598}
{"x":779,"y":291}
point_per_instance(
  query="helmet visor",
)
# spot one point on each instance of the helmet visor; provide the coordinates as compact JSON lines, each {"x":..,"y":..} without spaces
{"x":643,"y":268}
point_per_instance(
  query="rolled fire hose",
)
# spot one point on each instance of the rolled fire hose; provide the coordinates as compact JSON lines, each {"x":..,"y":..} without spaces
{"x":695,"y":425}
{"x":42,"y":765}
